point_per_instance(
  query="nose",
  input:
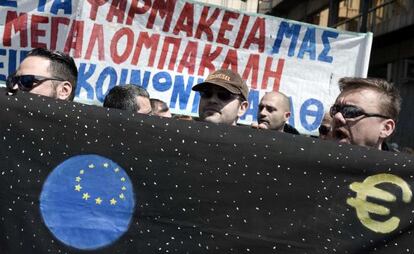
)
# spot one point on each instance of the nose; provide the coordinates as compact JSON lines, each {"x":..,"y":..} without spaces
{"x":338,"y":119}
{"x":262,"y":111}
{"x":214,"y":98}
{"x":13,"y":87}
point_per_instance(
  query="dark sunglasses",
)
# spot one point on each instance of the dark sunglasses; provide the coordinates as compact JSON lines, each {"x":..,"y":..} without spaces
{"x":324,"y":130}
{"x":27,"y":82}
{"x":350,"y":111}
{"x":222,"y":95}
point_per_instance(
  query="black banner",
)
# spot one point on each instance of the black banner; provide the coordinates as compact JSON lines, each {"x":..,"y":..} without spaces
{"x":77,"y":179}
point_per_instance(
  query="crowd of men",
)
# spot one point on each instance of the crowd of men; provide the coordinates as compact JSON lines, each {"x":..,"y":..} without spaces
{"x":365,"y":112}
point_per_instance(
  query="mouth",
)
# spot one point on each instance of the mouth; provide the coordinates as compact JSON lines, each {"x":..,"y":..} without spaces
{"x":263,"y":124}
{"x":210,"y":110}
{"x":341,"y":135}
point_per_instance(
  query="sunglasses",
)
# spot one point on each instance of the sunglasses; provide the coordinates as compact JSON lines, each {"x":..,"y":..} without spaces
{"x":350,"y":111}
{"x":222,"y":95}
{"x":27,"y":82}
{"x":324,"y":130}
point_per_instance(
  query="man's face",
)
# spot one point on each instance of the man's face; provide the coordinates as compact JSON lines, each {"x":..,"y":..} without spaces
{"x":34,"y":65}
{"x":272,"y":113}
{"x":361,"y":130}
{"x":144,"y":105}
{"x":218,"y":105}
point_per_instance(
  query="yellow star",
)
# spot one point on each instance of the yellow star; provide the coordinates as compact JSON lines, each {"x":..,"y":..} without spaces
{"x":98,"y":201}
{"x":81,"y":171}
{"x":113,"y":201}
{"x":91,"y":165}
{"x":85,"y":196}
{"x":122,"y":196}
{"x":123,"y":179}
{"x":105,"y":165}
{"x":78,"y":187}
{"x":78,"y":179}
{"x":116,"y":170}
{"x":123,"y":188}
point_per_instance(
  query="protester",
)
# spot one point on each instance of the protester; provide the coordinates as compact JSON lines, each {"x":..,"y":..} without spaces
{"x":128,"y":97}
{"x":160,"y":108}
{"x":325,"y":129}
{"x":365,"y":112}
{"x":223,"y":97}
{"x":274,"y":111}
{"x":45,"y":72}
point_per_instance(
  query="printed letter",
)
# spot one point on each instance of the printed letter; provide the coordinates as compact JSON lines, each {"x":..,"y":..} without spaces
{"x":185,"y":20}
{"x":204,"y":23}
{"x":19,"y":24}
{"x":290,"y":32}
{"x":323,"y":56}
{"x":268,"y":73}
{"x":96,"y":37}
{"x":225,"y":26}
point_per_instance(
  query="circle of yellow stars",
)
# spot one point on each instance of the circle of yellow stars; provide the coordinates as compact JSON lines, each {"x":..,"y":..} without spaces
{"x":98,"y":200}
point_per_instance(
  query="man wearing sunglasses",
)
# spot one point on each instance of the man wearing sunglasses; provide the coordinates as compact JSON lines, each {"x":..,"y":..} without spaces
{"x":365,"y":112}
{"x":45,"y":72}
{"x":223,"y":97}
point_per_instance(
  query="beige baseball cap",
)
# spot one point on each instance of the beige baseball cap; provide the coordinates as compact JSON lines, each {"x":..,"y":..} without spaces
{"x":227,"y":79}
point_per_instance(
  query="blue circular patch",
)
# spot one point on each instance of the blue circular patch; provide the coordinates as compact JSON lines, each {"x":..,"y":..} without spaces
{"x":87,"y":202}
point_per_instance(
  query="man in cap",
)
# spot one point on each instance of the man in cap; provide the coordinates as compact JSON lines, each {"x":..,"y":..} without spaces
{"x":223,"y":97}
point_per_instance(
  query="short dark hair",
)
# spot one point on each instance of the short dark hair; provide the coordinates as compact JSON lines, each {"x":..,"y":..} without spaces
{"x":124,"y":97}
{"x":390,"y":105}
{"x":61,"y":66}
{"x":163,"y":106}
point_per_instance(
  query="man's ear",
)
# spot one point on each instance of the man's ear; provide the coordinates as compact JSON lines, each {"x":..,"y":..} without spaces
{"x":243,"y":108}
{"x":287,"y":115}
{"x":387,"y":128}
{"x":63,"y":90}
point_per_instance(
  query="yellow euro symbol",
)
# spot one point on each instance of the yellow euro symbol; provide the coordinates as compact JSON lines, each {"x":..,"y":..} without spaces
{"x":364,"y":208}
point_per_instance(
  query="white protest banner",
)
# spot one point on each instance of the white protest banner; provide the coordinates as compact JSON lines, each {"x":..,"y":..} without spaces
{"x":168,"y":46}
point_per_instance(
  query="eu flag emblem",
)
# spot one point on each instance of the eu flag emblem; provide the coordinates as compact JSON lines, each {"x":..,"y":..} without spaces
{"x":87,"y":202}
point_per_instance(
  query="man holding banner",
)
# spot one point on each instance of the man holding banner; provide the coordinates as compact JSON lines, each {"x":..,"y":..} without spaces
{"x":365,"y":112}
{"x":223,"y":97}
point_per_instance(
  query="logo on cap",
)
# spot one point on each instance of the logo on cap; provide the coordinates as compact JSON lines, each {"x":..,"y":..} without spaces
{"x":218,"y":76}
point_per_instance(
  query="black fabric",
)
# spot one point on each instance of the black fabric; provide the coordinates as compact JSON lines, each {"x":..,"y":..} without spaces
{"x":199,"y":188}
{"x":290,"y":129}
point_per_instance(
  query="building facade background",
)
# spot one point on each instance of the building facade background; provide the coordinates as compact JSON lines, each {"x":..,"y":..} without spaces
{"x":242,"y":5}
{"x":252,"y":6}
